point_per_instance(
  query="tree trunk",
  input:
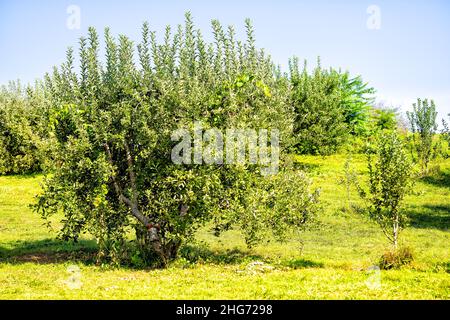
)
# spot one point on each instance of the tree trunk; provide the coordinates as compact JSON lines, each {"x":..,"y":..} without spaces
{"x":395,"y":233}
{"x":153,"y":249}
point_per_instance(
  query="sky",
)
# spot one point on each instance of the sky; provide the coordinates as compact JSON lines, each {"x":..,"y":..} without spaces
{"x":401,"y":48}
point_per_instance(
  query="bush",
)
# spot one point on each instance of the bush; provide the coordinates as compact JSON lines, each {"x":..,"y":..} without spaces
{"x":396,"y":258}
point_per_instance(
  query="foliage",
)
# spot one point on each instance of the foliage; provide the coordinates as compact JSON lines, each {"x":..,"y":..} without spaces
{"x":329,"y":106}
{"x":24,"y":144}
{"x":319,"y":126}
{"x":423,"y":122}
{"x":323,"y":107}
{"x":385,"y":119}
{"x":390,"y":179}
{"x":272,"y":206}
{"x":356,"y":100}
{"x":114,"y":124}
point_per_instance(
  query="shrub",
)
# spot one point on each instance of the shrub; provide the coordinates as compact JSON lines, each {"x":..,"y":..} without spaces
{"x":396,"y":258}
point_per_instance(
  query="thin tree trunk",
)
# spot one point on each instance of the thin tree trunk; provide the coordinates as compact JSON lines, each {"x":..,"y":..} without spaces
{"x":395,"y":232}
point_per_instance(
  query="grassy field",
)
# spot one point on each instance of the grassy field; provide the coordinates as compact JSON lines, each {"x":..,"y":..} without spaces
{"x":333,"y":260}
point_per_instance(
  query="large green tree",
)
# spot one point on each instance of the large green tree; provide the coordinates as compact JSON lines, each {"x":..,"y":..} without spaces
{"x":319,"y":126}
{"x":115,"y":122}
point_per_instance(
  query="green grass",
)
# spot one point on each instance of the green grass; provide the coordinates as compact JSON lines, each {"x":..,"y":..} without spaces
{"x":330,"y":261}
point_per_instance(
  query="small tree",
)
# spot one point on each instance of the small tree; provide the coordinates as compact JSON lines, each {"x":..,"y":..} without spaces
{"x":390,"y":178}
{"x":423,"y":122}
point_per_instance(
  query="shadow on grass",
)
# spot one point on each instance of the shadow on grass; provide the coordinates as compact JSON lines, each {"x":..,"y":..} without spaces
{"x":441,"y":180}
{"x":430,"y":217}
{"x":307,"y":167}
{"x":49,"y":251}
{"x":302,"y":264}
{"x":442,"y":266}
{"x":201,"y":253}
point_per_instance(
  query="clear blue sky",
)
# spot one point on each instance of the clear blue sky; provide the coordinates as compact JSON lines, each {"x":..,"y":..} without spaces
{"x":408,"y":57}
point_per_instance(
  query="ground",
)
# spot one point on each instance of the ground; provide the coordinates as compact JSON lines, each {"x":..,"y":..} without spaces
{"x":336,"y":259}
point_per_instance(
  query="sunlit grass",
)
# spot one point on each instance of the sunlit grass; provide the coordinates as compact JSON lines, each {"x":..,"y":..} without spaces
{"x":329,"y":261}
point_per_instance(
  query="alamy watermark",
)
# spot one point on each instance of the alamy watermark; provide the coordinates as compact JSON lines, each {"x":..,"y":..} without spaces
{"x":232,"y":146}
{"x":374,"y":20}
{"x":373,"y":281}
{"x":73,"y":282}
{"x":73,"y":21}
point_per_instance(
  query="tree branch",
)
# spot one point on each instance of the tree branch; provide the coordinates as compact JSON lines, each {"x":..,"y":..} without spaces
{"x":132,"y":204}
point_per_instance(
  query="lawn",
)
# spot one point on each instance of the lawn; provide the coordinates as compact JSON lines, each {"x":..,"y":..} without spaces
{"x":334,"y":259}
